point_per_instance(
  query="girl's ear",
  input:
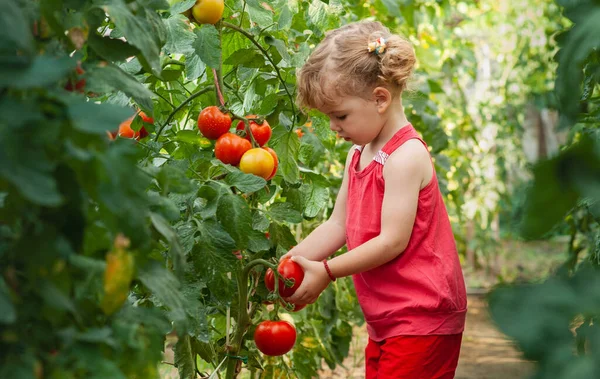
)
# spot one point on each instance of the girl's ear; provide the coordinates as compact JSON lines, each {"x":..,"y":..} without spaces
{"x":383,"y":99}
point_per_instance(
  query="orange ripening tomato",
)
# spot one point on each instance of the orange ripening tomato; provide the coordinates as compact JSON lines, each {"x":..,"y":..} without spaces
{"x":126,"y":131}
{"x":299,"y":132}
{"x":146,"y":118}
{"x":276,"y":164}
{"x":257,"y":161}
{"x":208,"y":11}
{"x":230,"y":148}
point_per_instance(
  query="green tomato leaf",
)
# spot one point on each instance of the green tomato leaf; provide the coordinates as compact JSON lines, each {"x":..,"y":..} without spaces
{"x":138,"y":30}
{"x":284,"y":212}
{"x":233,"y":213}
{"x":207,"y":46}
{"x":96,"y":118}
{"x":43,"y":71}
{"x":122,"y":81}
{"x":287,"y":146}
{"x":247,"y":183}
{"x":111,"y":49}
{"x":179,"y":35}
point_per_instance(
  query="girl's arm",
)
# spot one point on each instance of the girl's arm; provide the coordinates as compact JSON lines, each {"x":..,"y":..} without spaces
{"x":405,"y":173}
{"x":330,"y":236}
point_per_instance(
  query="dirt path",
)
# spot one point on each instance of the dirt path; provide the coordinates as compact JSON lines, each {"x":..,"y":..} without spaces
{"x":485,"y":352}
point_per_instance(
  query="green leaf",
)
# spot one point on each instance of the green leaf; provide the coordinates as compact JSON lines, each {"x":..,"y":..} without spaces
{"x":179,"y":36}
{"x":176,"y":251}
{"x":233,"y":213}
{"x":122,"y":81}
{"x":281,"y":236}
{"x":95,"y":118}
{"x":315,"y":195}
{"x":166,"y":289}
{"x":138,"y":31}
{"x":246,"y":183}
{"x":393,"y":7}
{"x":247,"y":58}
{"x":184,"y":358}
{"x":317,"y":14}
{"x":23,"y":159}
{"x":257,"y":241}
{"x":287,"y":146}
{"x":207,"y":45}
{"x":111,"y":49}
{"x":8,"y":314}
{"x":43,"y":71}
{"x":285,"y":18}
{"x":215,"y":239}
{"x":56,"y":298}
{"x":556,"y":186}
{"x":284,"y":212}
{"x":17,"y":35}
{"x":192,"y":137}
{"x":258,"y":13}
{"x":280,"y":46}
{"x":171,"y":178}
{"x":182,"y":6}
{"x":577,"y":47}
{"x":323,"y":132}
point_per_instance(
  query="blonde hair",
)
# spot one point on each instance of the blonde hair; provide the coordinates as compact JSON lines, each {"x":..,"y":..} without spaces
{"x":341,"y":65}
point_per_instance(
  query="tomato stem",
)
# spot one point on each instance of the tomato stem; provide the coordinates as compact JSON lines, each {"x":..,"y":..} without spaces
{"x":181,"y":106}
{"x":266,"y":54}
{"x":244,"y":316}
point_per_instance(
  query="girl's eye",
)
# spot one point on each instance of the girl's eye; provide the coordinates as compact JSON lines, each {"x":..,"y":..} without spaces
{"x":341,"y":118}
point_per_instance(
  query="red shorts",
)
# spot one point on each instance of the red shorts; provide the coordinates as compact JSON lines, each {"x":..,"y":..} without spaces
{"x":413,"y":357}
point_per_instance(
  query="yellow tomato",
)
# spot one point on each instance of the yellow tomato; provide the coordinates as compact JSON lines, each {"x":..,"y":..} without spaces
{"x":208,"y":11}
{"x":257,"y":161}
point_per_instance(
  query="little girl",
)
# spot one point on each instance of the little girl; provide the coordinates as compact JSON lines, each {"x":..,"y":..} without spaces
{"x":389,"y":211}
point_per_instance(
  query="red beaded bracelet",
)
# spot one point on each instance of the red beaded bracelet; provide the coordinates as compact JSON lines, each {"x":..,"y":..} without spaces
{"x":328,"y":270}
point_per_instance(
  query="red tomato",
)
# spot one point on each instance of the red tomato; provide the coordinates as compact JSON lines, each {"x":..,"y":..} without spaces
{"x":262,"y":133}
{"x":275,"y":337}
{"x":76,"y":84}
{"x":257,"y":161}
{"x":288,"y":269}
{"x":213,"y":123}
{"x":230,"y":148}
{"x":274,"y":155}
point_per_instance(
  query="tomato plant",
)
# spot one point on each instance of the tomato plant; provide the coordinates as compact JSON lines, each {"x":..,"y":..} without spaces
{"x":230,"y":148}
{"x":275,"y":337}
{"x":213,"y":123}
{"x":261,"y":132}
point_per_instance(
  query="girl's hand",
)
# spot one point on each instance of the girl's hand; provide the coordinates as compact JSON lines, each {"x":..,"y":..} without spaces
{"x":314,"y":282}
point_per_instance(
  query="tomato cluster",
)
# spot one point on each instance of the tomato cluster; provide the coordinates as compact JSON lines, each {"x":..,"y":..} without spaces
{"x":233,"y":149}
{"x":278,"y":337}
